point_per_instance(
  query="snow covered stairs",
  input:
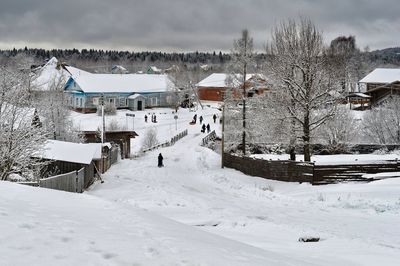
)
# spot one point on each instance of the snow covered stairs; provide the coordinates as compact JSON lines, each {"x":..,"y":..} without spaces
{"x":330,"y":174}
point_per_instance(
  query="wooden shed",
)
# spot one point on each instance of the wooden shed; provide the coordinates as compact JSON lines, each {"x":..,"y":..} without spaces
{"x":381,"y":84}
{"x":66,"y":157}
{"x":120,"y":137}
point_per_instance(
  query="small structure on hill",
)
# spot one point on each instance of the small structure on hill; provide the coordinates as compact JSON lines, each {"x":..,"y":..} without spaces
{"x":66,"y":157}
{"x":381,"y":84}
{"x":153,"y":70}
{"x":121,"y":137}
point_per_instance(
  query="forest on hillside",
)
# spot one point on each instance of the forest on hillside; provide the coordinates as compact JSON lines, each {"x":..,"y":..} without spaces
{"x":101,"y":61}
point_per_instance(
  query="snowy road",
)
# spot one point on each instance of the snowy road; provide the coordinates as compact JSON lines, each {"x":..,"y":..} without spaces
{"x":194,"y":190}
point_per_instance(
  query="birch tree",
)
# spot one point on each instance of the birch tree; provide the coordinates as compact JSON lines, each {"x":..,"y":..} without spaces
{"x":298,"y":65}
{"x":242,"y":59}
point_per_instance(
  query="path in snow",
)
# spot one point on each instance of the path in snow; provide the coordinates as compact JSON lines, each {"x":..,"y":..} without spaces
{"x":194,"y":190}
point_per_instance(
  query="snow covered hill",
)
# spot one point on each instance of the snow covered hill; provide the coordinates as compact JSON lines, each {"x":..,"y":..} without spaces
{"x":49,"y":227}
{"x":192,"y":212}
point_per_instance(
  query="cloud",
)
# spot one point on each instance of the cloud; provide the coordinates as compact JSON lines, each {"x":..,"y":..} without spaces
{"x":186,"y":25}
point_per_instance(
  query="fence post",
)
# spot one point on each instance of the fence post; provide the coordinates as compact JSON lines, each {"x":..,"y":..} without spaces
{"x":313,"y":167}
{"x":76,"y":181}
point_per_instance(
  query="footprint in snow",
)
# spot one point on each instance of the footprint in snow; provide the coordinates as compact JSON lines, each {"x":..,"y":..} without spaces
{"x":151,"y":252}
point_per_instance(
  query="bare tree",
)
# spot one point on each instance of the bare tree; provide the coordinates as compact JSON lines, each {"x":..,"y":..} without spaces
{"x":149,"y":138}
{"x":339,"y":131}
{"x":382,"y":124}
{"x":52,"y":106}
{"x":20,"y":136}
{"x":345,"y":60}
{"x":242,"y":59}
{"x":298,"y":65}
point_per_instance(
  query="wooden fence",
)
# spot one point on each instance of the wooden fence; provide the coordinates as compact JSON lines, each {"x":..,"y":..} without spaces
{"x":168,"y":143}
{"x":288,"y":171}
{"x":108,"y":159}
{"x":210,"y":137}
{"x":291,"y":171}
{"x":71,"y":182}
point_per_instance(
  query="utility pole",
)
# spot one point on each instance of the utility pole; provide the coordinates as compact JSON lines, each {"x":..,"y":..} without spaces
{"x":103,"y":126}
{"x":223,"y":136}
{"x":133,"y":120}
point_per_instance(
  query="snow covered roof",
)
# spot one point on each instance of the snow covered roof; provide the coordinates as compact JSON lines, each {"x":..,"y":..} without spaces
{"x":359,"y":94}
{"x":219,"y":80}
{"x":76,"y":72}
{"x":382,"y":75}
{"x":134,"y":96}
{"x":82,"y":153}
{"x":50,"y":76}
{"x":155,"y":69}
{"x":125,"y":83}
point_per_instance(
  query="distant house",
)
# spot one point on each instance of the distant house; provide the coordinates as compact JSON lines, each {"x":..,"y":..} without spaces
{"x":214,"y":87}
{"x":124,"y":91}
{"x":381,"y":84}
{"x":154,"y":70}
{"x":116,"y":69}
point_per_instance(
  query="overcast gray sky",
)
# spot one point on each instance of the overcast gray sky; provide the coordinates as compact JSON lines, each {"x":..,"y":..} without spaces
{"x":187,"y":25}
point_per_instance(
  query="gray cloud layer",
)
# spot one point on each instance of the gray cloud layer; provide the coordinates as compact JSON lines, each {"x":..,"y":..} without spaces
{"x":204,"y":25}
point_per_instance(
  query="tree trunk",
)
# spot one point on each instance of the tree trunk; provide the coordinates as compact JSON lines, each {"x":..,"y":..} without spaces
{"x":306,"y":137}
{"x":292,"y":141}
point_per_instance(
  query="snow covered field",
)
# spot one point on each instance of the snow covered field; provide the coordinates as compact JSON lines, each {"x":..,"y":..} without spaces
{"x":192,"y":212}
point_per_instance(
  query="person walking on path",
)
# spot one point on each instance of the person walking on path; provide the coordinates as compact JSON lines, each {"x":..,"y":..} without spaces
{"x":160,"y":160}
{"x":203,"y":128}
{"x":201,"y":119}
{"x":214,"y":117}
{"x":145,"y":118}
{"x":208,"y":128}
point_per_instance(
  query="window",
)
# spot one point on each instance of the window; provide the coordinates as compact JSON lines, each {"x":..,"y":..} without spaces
{"x":123,"y":102}
{"x":153,"y":101}
{"x":81,"y":104}
{"x":76,"y":101}
{"x":96,"y":101}
{"x":111,"y":101}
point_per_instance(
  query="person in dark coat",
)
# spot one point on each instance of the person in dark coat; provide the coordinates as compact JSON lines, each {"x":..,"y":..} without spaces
{"x":145,"y":118}
{"x":203,"y":128}
{"x":201,"y":119}
{"x":195,"y":118}
{"x":160,"y":160}
{"x":208,"y":128}
{"x":214,"y":117}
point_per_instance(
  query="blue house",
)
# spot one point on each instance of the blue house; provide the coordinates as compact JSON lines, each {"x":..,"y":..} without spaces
{"x":122,"y":91}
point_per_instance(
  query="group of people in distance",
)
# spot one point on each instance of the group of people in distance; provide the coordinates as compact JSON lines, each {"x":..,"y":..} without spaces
{"x":153,"y":118}
{"x":204,"y":127}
